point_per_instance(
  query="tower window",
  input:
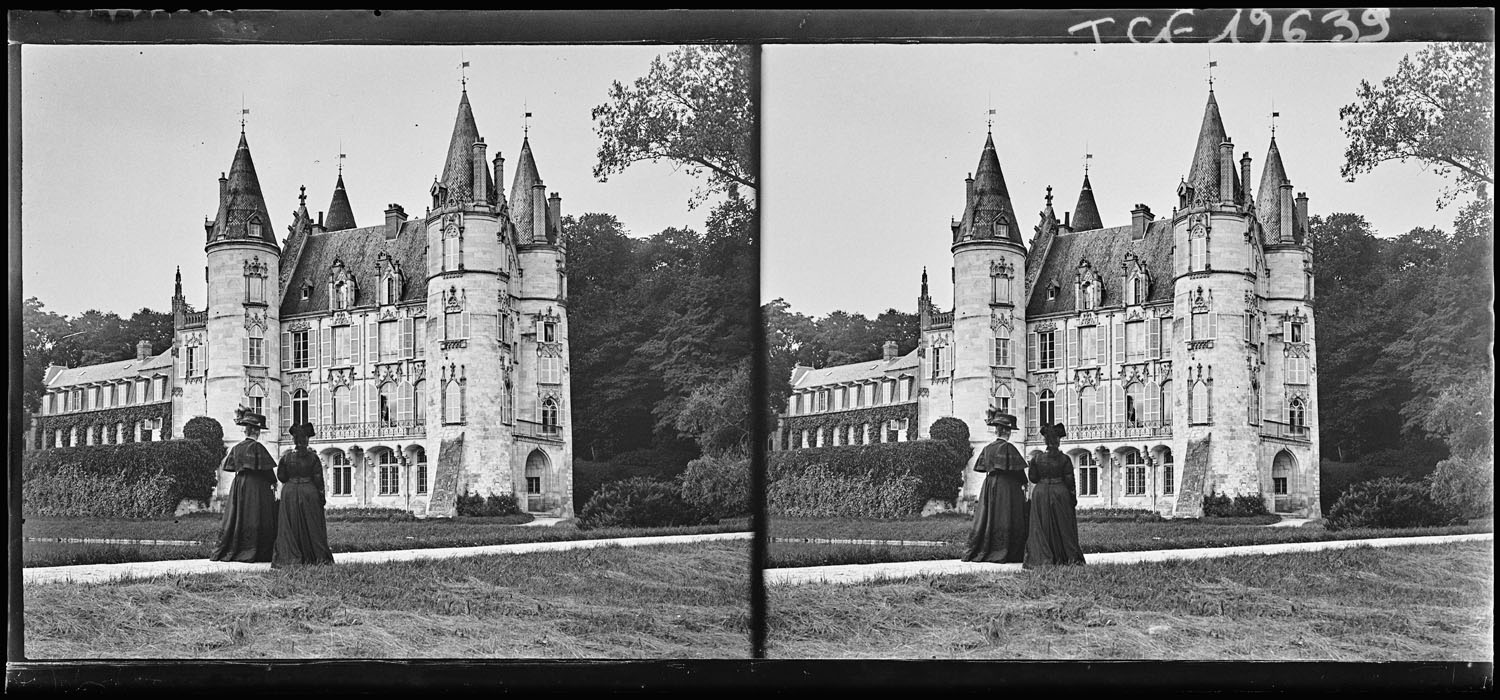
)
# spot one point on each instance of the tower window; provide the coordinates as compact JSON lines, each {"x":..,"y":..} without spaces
{"x":549,"y":370}
{"x":549,"y":332}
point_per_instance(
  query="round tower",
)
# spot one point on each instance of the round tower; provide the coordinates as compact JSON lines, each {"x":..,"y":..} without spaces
{"x":989,"y":263}
{"x":468,"y":366}
{"x":237,"y":349}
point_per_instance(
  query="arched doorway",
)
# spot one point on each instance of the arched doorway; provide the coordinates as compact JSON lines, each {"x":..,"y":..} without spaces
{"x":537,"y":468}
{"x":1283,"y":471}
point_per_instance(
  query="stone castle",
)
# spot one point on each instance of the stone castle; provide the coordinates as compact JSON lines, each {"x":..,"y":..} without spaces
{"x":1179,"y":352}
{"x":430,"y":354}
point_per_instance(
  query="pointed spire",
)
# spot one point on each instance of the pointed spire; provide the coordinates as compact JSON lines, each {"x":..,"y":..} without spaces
{"x":1268,"y":204}
{"x":522,"y":206}
{"x":340,"y":214}
{"x":989,"y":204}
{"x":1086,"y":212}
{"x":1203,"y":175}
{"x":178,"y":293}
{"x":458,"y":172}
{"x":242,"y":208}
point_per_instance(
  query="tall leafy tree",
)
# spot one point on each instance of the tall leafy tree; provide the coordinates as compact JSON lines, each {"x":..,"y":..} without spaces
{"x":1439,"y":108}
{"x":694,"y":108}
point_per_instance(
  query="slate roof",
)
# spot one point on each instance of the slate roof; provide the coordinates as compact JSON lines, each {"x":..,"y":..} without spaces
{"x":242,"y":199}
{"x":458,"y":168}
{"x":109,"y":371}
{"x":1203,"y":174}
{"x":359,"y":250}
{"x":989,"y":198}
{"x":340,"y":214}
{"x":1104,"y":249}
{"x":521,"y":196}
{"x":1086,"y":214}
{"x":854,"y":372}
{"x":1268,"y":202}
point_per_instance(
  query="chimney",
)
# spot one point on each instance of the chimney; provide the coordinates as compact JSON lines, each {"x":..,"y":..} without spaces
{"x":481,"y":193}
{"x":143,"y":350}
{"x":223,"y":187}
{"x":554,"y":209}
{"x":969,"y":187}
{"x":1245,"y":176}
{"x":1226,"y":171}
{"x":539,"y":213}
{"x":500,"y":175}
{"x":1140,"y":220}
{"x":889,"y":350}
{"x":1302,"y":212}
{"x":394,"y":217}
{"x":1286,"y":212}
{"x":318,"y":227}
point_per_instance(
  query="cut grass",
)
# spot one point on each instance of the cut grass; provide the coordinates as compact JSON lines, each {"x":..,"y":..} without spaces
{"x":363,"y":536}
{"x":1096,"y":537}
{"x":1430,"y":602}
{"x":668,"y":601}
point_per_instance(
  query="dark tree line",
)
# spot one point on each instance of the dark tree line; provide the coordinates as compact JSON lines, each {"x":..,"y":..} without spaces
{"x":89,"y":338}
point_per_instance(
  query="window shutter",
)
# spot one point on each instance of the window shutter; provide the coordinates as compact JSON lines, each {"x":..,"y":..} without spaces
{"x":1070,"y":409}
{"x":286,"y":410}
{"x":1073,"y":346}
{"x":1101,"y":345}
{"x":327,"y":347}
{"x":286,"y":351}
{"x":1213,"y":325}
{"x":1031,"y":411}
{"x":403,"y":403}
{"x":356,"y":344}
{"x":325,"y":414}
{"x":1100,"y":414}
{"x":245,"y":352}
{"x":1154,"y":341}
{"x":373,"y":346}
{"x":464,"y":323}
{"x":408,"y":335}
{"x":1031,"y":352}
{"x":1119,"y":343}
{"x":372,"y":402}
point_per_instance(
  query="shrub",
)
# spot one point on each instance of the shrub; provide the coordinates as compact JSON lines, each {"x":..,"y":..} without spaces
{"x":493,"y":505}
{"x":207,"y":431}
{"x":819,"y":491}
{"x":1408,"y":463}
{"x":1218,"y":505}
{"x":1384,"y":503}
{"x":638,"y":502}
{"x":1465,"y":485}
{"x":132,"y":480}
{"x":370,"y":514}
{"x":718,"y":485}
{"x":952,"y":432}
{"x":902,"y":476}
{"x":1119,"y":515}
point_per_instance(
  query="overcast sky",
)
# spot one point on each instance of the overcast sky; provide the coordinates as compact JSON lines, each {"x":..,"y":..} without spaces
{"x":865,"y":148}
{"x":123,"y":147}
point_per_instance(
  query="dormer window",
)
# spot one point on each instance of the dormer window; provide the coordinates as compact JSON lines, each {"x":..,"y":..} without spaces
{"x":1052,"y":291}
{"x":307,"y":290}
{"x":255,"y":228}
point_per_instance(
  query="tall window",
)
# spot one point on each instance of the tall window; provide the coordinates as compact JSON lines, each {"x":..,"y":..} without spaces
{"x":1088,"y":405}
{"x":343,"y":474}
{"x":822,"y":400}
{"x":549,"y":370}
{"x":419,"y":457}
{"x":1135,"y":474}
{"x":148,"y":393}
{"x":1086,"y":294}
{"x":549,"y":332}
{"x":419,"y":400}
{"x":1198,"y":398}
{"x":999,"y":289}
{"x":299,"y":406}
{"x":301,"y":356}
{"x":1296,"y":415}
{"x":1294,"y":332}
{"x":1046,"y":407}
{"x":255,"y":351}
{"x":1133,"y":404}
{"x":390,"y":474}
{"x":455,"y":325}
{"x":386,"y":403}
{"x":451,"y":258}
{"x":1002,"y":352}
{"x":1166,"y":401}
{"x":1204,"y":325}
{"x":795,"y":407}
{"x":392,"y":292}
{"x":549,"y":417}
{"x":342,"y":345}
{"x":877,"y":393}
{"x":1086,"y":341}
{"x":1088,"y":475}
{"x":1137,"y":290}
{"x":937,"y":362}
{"x":1168,"y":477}
{"x":453,"y":406}
{"x":191,"y":361}
{"x":1046,"y":350}
{"x":1296,"y":369}
{"x":1135,"y":341}
{"x":419,"y":332}
{"x":1197,"y":249}
{"x":390,"y":340}
{"x":1252,"y":407}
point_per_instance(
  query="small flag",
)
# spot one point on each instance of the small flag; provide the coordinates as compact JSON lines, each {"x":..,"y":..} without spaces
{"x":528,"y":115}
{"x":1088,"y":156}
{"x":465,"y":64}
{"x":244,"y":111}
{"x":992,"y":111}
{"x":1212,"y":64}
{"x":1276,"y":114}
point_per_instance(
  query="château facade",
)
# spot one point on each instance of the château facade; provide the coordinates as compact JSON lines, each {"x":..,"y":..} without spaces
{"x":430,"y":354}
{"x":1178,"y":351}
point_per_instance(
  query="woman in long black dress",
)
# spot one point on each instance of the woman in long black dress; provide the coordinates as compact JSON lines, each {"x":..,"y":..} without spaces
{"x":999,"y":533}
{"x":1054,"y":522}
{"x":301,"y":531}
{"x":248,"y":532}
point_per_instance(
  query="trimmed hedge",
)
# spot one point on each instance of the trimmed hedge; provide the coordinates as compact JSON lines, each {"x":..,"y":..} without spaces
{"x":718,"y":485}
{"x":132,"y":480}
{"x":639,"y":502}
{"x":207,"y":431}
{"x":1218,"y":505}
{"x":489,"y":506}
{"x":886,"y":480}
{"x":1387,"y":502}
{"x":366,"y":514}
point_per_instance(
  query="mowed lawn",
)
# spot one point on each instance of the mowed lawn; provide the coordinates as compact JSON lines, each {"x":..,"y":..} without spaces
{"x":666,"y":601}
{"x":1411,"y":603}
{"x":1095,"y":537}
{"x":343,"y":536}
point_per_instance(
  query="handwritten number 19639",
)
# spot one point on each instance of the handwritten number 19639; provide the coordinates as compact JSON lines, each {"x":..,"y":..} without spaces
{"x":1293,"y":27}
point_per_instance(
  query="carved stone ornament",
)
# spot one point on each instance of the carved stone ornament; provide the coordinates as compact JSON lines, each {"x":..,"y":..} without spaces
{"x":389,"y":314}
{"x":1086,"y":377}
{"x":1046,"y":380}
{"x":1088,"y":318}
{"x":1000,"y":318}
{"x":297,"y":380}
{"x":549,"y":349}
{"x":1002,"y":268}
{"x":255,"y":268}
{"x":298,"y":326}
{"x":1294,"y":350}
{"x":341,"y":318}
{"x":1135,"y":314}
{"x":453,"y":300}
{"x":922,"y":391}
{"x":418,"y":371}
{"x":1002,"y":388}
{"x":1201,"y":300}
{"x":340,"y":377}
{"x":255,"y":320}
{"x":177,"y":391}
{"x":1250,"y":298}
{"x":255,"y":383}
{"x":419,"y":312}
{"x":1044,"y":326}
{"x":1163,"y":371}
{"x":1002,"y":373}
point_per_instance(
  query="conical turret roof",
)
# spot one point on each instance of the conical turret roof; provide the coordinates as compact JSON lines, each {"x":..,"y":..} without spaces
{"x":1086,"y":213}
{"x":241,"y":203}
{"x":340,"y":214}
{"x":1268,"y":202}
{"x":1203,"y":175}
{"x":988,"y":205}
{"x":458,"y":171}
{"x":522,"y":206}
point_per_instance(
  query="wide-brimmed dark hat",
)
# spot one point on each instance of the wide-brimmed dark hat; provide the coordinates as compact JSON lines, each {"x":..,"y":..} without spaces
{"x":248,"y":418}
{"x":1000,"y":419}
{"x":1055,"y":430}
{"x":303,"y":430}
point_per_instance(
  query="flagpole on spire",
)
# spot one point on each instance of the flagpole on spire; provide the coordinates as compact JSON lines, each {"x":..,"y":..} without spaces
{"x":1211,"y":65}
{"x":1274,"y":115}
{"x":463,"y":75}
{"x":243,"y":112}
{"x":526,"y":122}
{"x":341,"y":157}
